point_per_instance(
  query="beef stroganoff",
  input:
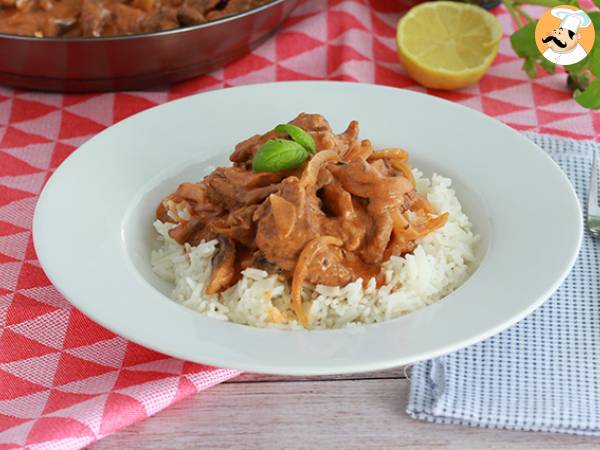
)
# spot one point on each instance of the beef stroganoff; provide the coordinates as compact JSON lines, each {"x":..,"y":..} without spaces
{"x":312,"y":229}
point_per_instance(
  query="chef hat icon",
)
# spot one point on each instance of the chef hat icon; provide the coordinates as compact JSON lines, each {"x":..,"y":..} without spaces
{"x":571,"y":19}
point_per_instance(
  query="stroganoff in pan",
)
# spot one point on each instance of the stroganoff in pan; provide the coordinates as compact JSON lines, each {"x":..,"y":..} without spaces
{"x":93,"y":18}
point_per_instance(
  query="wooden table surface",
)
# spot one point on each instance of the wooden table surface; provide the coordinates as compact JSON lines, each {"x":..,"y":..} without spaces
{"x":339,"y":412}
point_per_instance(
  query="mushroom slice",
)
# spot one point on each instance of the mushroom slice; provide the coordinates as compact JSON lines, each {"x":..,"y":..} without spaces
{"x":223,"y":272}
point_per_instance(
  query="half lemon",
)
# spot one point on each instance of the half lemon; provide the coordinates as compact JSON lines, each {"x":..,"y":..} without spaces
{"x":447,"y":45}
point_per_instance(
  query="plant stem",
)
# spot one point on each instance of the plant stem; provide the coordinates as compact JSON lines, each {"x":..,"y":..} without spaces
{"x":547,"y":3}
{"x":511,"y":9}
{"x":524,"y":14}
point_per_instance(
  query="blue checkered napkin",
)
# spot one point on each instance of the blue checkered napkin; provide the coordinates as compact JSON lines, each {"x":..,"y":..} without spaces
{"x":543,"y":374}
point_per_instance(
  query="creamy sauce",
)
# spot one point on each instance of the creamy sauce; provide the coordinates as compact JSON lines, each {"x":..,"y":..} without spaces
{"x":333,"y":220}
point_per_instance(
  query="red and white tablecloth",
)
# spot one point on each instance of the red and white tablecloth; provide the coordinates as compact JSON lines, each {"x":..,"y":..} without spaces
{"x":65,"y":381}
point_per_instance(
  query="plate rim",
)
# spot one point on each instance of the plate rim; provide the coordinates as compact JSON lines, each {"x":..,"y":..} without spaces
{"x":350,"y":367}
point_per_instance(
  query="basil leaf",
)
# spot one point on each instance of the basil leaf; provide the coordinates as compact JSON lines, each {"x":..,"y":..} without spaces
{"x":298,"y":135}
{"x":277,"y":155}
{"x":590,"y":98}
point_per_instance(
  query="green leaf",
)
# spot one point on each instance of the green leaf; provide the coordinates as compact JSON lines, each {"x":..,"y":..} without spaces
{"x":298,"y":135}
{"x":523,"y":43}
{"x":277,"y":155}
{"x":529,"y":67}
{"x":548,"y":66}
{"x":597,"y":3}
{"x":594,"y":58}
{"x":595,"y":16}
{"x":578,"y":66}
{"x":590,"y":98}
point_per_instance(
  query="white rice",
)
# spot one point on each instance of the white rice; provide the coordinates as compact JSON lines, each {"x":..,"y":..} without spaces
{"x":439,"y":264}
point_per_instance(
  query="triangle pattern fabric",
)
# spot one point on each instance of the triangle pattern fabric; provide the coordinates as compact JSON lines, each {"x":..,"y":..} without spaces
{"x":15,"y":245}
{"x":73,"y":125}
{"x":14,"y":346}
{"x":70,"y":380}
{"x":59,"y":400}
{"x":96,"y":108}
{"x":112,"y":420}
{"x":35,"y":403}
{"x":37,"y":155}
{"x":16,"y":387}
{"x":14,"y":438}
{"x":31,"y":183}
{"x":38,"y":369}
{"x":46,"y":126}
{"x":83,"y":331}
{"x":88,"y":412}
{"x":38,"y":329}
{"x":97,"y":385}
{"x":47,"y":98}
{"x":25,"y":110}
{"x":106,"y":352}
{"x":71,"y":368}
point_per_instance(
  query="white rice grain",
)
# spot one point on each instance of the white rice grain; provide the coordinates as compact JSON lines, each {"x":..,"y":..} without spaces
{"x":439,"y":264}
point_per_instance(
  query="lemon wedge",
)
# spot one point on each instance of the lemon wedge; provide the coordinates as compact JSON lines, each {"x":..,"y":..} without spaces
{"x":447,"y":45}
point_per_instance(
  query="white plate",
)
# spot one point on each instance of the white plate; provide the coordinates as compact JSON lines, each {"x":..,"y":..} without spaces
{"x":93,"y":233}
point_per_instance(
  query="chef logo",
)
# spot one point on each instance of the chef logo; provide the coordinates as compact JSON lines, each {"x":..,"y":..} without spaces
{"x":564,"y":35}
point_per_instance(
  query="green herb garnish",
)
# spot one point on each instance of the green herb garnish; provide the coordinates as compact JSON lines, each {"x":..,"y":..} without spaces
{"x":277,"y":155}
{"x":298,"y":135}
